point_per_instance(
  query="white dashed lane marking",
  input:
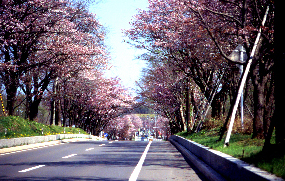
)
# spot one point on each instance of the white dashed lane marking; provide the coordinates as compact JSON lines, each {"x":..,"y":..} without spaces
{"x":32,"y":168}
{"x":89,"y":149}
{"x":68,"y":156}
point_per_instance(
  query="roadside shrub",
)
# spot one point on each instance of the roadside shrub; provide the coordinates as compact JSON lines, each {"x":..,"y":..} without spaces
{"x":212,"y":123}
{"x":247,"y":126}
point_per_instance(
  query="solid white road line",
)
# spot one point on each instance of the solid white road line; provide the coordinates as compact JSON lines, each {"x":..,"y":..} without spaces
{"x":138,"y":168}
{"x":32,"y":168}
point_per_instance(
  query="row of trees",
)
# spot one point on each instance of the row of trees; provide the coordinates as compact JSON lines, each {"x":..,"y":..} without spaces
{"x":52,"y":55}
{"x":90,"y":103}
{"x":43,"y":40}
{"x":130,"y":125}
{"x":190,"y":70}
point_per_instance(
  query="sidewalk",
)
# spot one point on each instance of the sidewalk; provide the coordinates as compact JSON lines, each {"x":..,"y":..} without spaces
{"x":13,"y":145}
{"x":164,"y":162}
{"x":15,"y":149}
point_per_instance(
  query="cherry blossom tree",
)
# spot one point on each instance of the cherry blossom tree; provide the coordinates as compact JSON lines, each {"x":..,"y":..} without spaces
{"x":169,"y":34}
{"x":90,"y":101}
{"x":21,"y":29}
{"x":123,"y":127}
{"x":42,"y":40}
{"x":201,"y":34}
{"x":162,"y":90}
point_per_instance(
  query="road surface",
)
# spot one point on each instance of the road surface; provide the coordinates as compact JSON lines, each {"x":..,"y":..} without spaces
{"x":95,"y":160}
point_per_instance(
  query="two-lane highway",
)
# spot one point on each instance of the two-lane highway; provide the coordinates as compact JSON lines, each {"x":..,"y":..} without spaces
{"x":93,"y":160}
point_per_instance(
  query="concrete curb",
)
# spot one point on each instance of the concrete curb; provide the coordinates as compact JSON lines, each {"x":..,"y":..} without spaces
{"x":206,"y":170}
{"x":214,"y":164}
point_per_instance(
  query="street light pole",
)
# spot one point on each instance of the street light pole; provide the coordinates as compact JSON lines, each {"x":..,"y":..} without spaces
{"x":243,"y":58}
{"x":239,"y":55}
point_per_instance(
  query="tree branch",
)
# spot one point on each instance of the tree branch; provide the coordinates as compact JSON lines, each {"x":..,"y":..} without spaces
{"x":224,"y":15}
{"x":206,"y":26}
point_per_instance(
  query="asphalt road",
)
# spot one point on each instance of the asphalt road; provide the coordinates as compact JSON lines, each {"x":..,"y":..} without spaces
{"x":93,"y":160}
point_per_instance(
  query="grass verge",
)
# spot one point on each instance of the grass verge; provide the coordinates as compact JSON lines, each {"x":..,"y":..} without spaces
{"x":14,"y":127}
{"x":244,"y":148}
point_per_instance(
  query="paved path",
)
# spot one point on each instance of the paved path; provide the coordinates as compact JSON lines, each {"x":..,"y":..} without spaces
{"x":164,"y":162}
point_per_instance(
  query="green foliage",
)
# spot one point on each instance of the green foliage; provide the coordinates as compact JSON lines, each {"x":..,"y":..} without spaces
{"x":19,"y":127}
{"x":244,"y":148}
{"x":270,"y":159}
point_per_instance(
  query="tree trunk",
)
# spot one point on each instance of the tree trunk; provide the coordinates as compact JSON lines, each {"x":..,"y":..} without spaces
{"x":183,"y":121}
{"x":34,"y":108}
{"x":57,"y":113}
{"x":279,"y":74}
{"x":224,"y":127}
{"x":259,"y":101}
{"x":28,"y":104}
{"x":269,"y":107}
{"x":217,"y":106}
{"x":11,"y":91}
{"x":188,"y":109}
{"x":52,"y":112}
{"x":64,"y":112}
{"x":260,"y":77}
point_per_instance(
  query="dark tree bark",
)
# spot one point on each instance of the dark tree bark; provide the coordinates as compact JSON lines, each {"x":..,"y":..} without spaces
{"x":11,"y":84}
{"x":279,"y":74}
{"x":217,"y":105}
{"x":188,"y":114}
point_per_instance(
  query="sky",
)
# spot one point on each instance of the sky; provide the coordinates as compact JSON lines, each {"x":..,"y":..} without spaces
{"x":115,"y":16}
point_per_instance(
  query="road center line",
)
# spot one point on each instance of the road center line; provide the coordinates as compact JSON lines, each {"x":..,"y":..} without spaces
{"x":138,"y":168}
